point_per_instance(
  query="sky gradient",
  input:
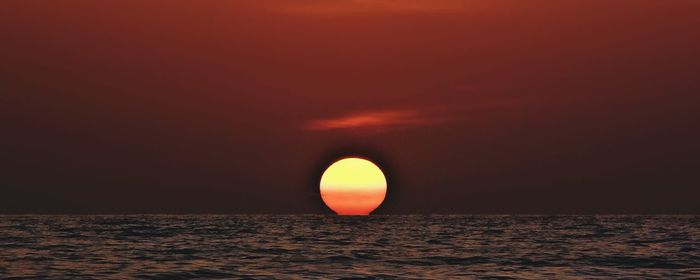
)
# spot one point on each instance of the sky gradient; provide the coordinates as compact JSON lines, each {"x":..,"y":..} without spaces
{"x":238,"y":106}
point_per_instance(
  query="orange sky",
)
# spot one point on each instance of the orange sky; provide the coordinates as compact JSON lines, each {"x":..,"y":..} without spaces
{"x":473,"y":106}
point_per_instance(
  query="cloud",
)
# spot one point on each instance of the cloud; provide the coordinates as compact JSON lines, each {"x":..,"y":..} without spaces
{"x":371,"y":119}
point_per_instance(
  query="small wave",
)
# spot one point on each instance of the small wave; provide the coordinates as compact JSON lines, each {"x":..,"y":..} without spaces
{"x":200,"y":273}
{"x":632,"y":262}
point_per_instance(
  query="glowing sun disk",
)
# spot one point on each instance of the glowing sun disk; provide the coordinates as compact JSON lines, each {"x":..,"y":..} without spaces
{"x":353,"y":186}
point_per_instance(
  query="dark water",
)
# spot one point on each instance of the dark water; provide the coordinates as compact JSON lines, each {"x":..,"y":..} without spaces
{"x":378,"y":247}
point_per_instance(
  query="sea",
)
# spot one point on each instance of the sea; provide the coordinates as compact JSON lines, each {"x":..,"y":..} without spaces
{"x":343,"y":247}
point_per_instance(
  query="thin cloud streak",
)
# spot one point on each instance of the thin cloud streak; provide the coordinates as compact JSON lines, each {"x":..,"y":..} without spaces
{"x":367,"y":119}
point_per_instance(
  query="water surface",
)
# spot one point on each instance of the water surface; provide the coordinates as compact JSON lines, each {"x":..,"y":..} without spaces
{"x":376,"y":247}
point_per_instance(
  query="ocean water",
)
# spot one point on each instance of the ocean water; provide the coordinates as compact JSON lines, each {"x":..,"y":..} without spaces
{"x":331,"y":247}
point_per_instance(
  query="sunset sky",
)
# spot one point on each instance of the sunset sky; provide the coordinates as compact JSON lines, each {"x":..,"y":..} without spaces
{"x":238,"y":106}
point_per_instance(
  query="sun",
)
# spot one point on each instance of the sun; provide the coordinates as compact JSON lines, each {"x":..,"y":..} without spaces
{"x":353,"y":186}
